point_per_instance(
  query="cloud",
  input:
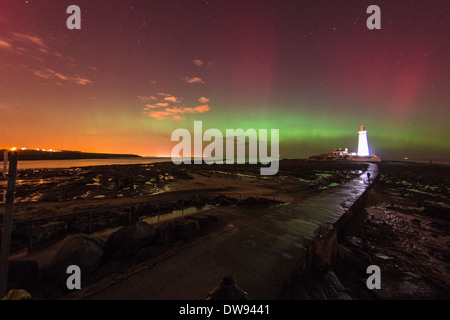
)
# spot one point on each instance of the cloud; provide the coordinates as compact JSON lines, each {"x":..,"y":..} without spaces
{"x":5,"y":44}
{"x":198,"y":62}
{"x":150,"y":106}
{"x":193,"y":80}
{"x":169,"y":97}
{"x":202,"y":109}
{"x":49,"y":74}
{"x":147,"y":98}
{"x":203,"y":100}
{"x":28,"y":38}
{"x":31,"y":46}
{"x":169,"y":107}
{"x":81,"y":81}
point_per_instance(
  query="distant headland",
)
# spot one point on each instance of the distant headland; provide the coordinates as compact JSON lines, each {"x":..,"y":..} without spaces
{"x":30,"y":154}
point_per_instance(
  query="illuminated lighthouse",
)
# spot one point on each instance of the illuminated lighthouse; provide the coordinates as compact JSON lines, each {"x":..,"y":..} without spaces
{"x":363,"y":145}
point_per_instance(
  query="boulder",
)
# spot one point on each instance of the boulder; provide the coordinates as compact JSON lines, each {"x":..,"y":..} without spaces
{"x":78,"y":249}
{"x":166,"y":233}
{"x":212,"y":218}
{"x":188,"y":229}
{"x":80,"y":226}
{"x":144,"y":210}
{"x":127,"y":241}
{"x":165,"y":207}
{"x":199,"y":201}
{"x":203,"y":221}
{"x":49,"y":231}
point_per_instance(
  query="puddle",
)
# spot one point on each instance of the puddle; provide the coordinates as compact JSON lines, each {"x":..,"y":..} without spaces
{"x":178,"y":214}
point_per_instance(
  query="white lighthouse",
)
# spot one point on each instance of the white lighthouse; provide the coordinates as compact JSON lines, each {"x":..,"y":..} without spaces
{"x":363,"y":145}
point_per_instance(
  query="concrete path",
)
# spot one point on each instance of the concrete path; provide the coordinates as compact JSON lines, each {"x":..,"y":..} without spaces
{"x":260,"y":249}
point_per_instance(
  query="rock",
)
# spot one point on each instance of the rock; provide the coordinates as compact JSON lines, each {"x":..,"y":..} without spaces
{"x":203,"y":221}
{"x":78,"y":249}
{"x":49,"y":231}
{"x":18,"y":294}
{"x":144,"y":210}
{"x":199,"y":201}
{"x":249,"y":201}
{"x":164,"y":207}
{"x":166,"y":233}
{"x":224,"y":201}
{"x":344,"y":253}
{"x":212,"y":218}
{"x":22,"y":274}
{"x":81,"y":226}
{"x":325,"y":249}
{"x":128,"y":240}
{"x":188,"y":229}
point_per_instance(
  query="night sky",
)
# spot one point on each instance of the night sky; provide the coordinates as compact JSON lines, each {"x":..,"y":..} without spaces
{"x":137,"y":70}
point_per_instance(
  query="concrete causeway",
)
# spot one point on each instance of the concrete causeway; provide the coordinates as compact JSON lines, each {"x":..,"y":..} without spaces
{"x":261,"y":249}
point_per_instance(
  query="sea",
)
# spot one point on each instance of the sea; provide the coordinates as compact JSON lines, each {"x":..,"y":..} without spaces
{"x":77,"y":163}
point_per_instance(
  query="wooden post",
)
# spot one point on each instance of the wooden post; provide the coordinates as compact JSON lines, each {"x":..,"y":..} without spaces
{"x":7,"y":223}
{"x":4,"y":170}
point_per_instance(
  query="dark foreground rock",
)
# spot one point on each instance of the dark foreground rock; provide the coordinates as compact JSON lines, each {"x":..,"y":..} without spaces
{"x":166,"y":233}
{"x":79,"y":249}
{"x":188,"y":229}
{"x":128,"y":240}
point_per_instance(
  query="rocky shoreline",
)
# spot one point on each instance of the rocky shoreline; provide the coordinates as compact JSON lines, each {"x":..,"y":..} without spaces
{"x":402,"y":227}
{"x":404,"y":230}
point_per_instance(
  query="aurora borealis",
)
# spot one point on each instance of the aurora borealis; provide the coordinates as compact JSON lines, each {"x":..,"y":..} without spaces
{"x":137,"y":70}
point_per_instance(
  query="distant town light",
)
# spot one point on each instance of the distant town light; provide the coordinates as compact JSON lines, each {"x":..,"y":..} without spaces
{"x":13,"y":149}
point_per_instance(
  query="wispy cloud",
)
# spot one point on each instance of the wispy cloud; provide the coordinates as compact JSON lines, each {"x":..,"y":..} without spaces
{"x":203,"y":100}
{"x":193,"y":80}
{"x":21,"y":37}
{"x":147,"y":98}
{"x":198,"y":62}
{"x":49,"y":74}
{"x":169,"y":107}
{"x":5,"y":44}
{"x":169,"y":97}
{"x":31,"y":46}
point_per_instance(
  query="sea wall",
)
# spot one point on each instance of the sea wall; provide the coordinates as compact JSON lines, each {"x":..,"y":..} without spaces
{"x":321,"y":249}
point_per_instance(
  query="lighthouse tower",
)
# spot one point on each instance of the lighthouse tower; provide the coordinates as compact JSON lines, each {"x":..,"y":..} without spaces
{"x":363,"y":145}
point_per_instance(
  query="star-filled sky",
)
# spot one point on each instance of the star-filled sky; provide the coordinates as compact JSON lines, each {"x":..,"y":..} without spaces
{"x":137,"y":70}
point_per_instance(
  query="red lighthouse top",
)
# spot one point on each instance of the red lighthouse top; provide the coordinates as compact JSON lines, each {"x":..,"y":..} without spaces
{"x":361,"y":128}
